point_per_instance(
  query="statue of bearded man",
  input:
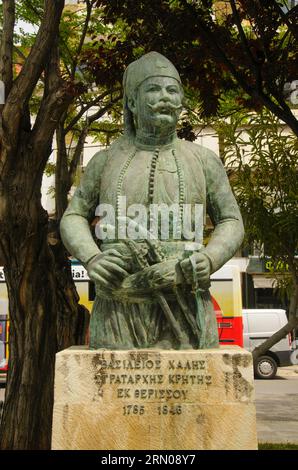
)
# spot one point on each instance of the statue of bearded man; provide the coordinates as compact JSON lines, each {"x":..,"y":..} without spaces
{"x":152,"y":293}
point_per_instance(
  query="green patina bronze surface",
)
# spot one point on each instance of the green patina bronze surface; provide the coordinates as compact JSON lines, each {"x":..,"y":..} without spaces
{"x":153,"y":293}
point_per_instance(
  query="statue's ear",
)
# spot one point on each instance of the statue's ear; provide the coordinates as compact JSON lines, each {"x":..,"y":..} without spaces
{"x":132,"y":104}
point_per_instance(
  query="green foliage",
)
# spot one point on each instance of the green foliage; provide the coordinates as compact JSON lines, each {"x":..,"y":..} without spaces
{"x":105,"y":131}
{"x":81,"y":30}
{"x":193,"y":118}
{"x":30,"y":13}
{"x":247,"y":48}
{"x":50,"y":169}
{"x":262,"y":160}
{"x":277,"y":446}
{"x":84,"y":37}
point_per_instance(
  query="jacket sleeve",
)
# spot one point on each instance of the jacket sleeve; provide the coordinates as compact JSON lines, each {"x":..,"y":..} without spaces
{"x":224,"y":212}
{"x":75,"y":223}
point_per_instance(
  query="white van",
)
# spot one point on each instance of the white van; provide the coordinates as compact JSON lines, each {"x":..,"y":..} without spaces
{"x":259,"y":325}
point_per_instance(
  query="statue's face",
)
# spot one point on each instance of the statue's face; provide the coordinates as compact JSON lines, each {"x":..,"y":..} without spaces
{"x":157,"y":104}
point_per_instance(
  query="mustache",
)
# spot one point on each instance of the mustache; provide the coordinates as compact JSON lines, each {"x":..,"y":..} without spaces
{"x":168,"y":106}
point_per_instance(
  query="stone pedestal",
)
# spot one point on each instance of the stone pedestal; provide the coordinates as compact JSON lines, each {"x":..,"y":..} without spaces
{"x":154,"y":400}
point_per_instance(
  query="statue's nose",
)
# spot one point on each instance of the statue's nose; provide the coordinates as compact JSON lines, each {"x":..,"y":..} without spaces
{"x":164,"y":95}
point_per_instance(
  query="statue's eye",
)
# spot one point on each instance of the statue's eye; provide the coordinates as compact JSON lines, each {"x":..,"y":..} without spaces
{"x":173,"y":90}
{"x":153,"y":88}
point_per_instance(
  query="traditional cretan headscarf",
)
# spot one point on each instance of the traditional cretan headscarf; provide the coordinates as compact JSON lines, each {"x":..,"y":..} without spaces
{"x":152,"y":64}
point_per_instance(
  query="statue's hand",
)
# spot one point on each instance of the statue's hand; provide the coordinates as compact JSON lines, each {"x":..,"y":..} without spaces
{"x":197,"y":269}
{"x":162,"y":274}
{"x":108,"y":269}
{"x":157,"y":276}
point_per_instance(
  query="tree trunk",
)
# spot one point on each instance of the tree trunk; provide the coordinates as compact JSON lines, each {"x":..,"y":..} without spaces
{"x":43,"y":306}
{"x":27,"y":414}
{"x":37,"y":295}
{"x":288,"y":328}
{"x":72,"y":318}
{"x":61,"y":173}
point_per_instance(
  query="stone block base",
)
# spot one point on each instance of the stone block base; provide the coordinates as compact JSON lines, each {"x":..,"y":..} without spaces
{"x":154,"y":400}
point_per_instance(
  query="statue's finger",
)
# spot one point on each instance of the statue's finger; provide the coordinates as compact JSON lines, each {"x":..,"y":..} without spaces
{"x":202,"y":272}
{"x":202,"y":261}
{"x":97,"y":278}
{"x":105,"y":273}
{"x":110,"y":266}
{"x":202,"y":267}
{"x":118,"y":261}
{"x":113,"y":252}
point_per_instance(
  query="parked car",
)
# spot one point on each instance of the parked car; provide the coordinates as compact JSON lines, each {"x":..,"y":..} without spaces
{"x":294,"y":355}
{"x":259,"y":325}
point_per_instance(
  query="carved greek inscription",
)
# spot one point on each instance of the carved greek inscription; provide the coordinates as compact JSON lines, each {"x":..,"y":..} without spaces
{"x":178,"y":379}
{"x":135,"y":379}
{"x":160,"y":394}
{"x":127,"y":364}
{"x":140,"y":380}
{"x":187,"y":365}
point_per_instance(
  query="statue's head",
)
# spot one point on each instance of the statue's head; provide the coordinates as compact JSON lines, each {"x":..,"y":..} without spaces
{"x":152,"y":94}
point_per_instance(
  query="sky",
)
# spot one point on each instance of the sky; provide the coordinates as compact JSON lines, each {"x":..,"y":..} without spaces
{"x":26,"y":27}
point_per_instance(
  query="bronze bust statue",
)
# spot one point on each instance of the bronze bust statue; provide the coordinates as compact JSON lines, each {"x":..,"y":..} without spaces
{"x":152,"y":291}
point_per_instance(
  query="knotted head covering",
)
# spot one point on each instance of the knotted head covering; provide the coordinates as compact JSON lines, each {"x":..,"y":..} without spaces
{"x":152,"y":64}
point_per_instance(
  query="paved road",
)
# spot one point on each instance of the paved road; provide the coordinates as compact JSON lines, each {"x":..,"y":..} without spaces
{"x":277,"y":407}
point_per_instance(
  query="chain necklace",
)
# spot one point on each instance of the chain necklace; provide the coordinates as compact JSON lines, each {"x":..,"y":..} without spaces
{"x":181,"y":184}
{"x":120,"y":182}
{"x":181,"y":181}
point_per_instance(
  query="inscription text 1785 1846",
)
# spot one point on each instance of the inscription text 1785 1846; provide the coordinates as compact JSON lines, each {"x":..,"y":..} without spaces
{"x":140,"y":381}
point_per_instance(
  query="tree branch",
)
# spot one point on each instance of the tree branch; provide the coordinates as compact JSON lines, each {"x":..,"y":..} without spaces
{"x":210,"y":37}
{"x":56,"y":98}
{"x":36,"y":60}
{"x":32,"y":7}
{"x":61,"y":171}
{"x":83,"y":36}
{"x":19,"y":53}
{"x":83,"y":134}
{"x":52,"y":70}
{"x":275,"y":338}
{"x":47,"y":119}
{"x":105,"y":131}
{"x":103,"y":110}
{"x":76,"y":157}
{"x":94,"y":102}
{"x":65,"y":47}
{"x":25,"y":83}
{"x":283,"y":113}
{"x":6,"y":51}
{"x":285,"y":17}
{"x":280,"y":334}
{"x":245,"y":45}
